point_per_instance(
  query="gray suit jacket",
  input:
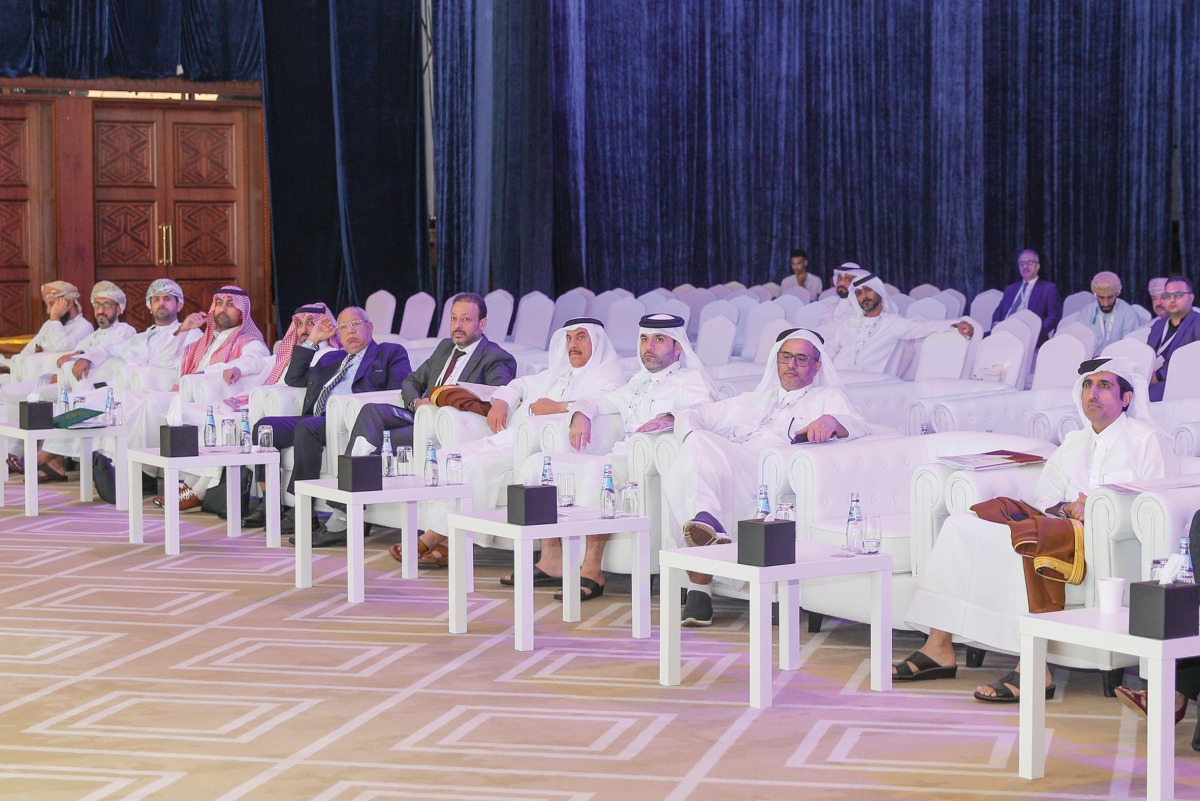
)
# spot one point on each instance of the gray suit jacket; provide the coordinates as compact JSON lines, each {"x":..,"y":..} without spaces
{"x":490,"y":364}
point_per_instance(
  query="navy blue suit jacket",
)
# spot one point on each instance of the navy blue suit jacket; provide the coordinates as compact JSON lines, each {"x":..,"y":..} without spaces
{"x":1043,"y":301}
{"x":1189,"y":331}
{"x":383,"y":366}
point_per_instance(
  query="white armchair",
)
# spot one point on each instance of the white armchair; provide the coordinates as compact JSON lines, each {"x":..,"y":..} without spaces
{"x":28,"y":366}
{"x":1000,"y":412}
{"x":1161,"y":514}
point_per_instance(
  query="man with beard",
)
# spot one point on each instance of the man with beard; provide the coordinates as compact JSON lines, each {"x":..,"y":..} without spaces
{"x":865,"y":341}
{"x":713,"y":481}
{"x":801,"y":276}
{"x":65,"y":326}
{"x":671,"y":378}
{"x":1168,"y":334}
{"x":1157,"y":305}
{"x":840,"y":305}
{"x":583,"y":363}
{"x":1037,"y":295}
{"x":1110,"y":318}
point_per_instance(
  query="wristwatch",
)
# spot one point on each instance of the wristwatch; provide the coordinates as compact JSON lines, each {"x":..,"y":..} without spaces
{"x":570,"y":406}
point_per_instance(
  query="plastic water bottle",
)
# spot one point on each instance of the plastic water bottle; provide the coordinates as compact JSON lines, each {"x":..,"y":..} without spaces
{"x":210,"y":429}
{"x":608,"y":495}
{"x":109,"y":403}
{"x":547,"y":472}
{"x":1186,"y":574}
{"x":764,"y":503}
{"x":854,"y":526}
{"x":245,"y":433}
{"x":64,"y":400}
{"x":431,"y":464}
{"x":385,"y":452}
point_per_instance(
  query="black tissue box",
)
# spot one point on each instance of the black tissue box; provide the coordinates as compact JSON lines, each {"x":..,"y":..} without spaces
{"x":764,"y":544}
{"x":1164,"y":611}
{"x":179,"y":441}
{"x":36,"y":414}
{"x":360,"y":473}
{"x":532,"y":505}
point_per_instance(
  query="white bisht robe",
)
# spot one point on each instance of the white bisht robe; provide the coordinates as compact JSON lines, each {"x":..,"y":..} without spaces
{"x":488,"y":462}
{"x":973,"y":584}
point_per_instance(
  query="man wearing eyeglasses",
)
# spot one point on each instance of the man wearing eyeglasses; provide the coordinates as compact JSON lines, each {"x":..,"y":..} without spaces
{"x":1110,"y":318}
{"x":1168,"y":334}
{"x":713,"y":481}
{"x":363,"y":365}
{"x":1032,"y":293}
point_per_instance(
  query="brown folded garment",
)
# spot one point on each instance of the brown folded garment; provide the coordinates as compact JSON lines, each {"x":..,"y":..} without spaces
{"x":1052,"y":547}
{"x":458,"y":398}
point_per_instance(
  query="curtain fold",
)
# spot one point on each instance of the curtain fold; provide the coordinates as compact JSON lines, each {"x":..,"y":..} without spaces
{"x":222,"y":40}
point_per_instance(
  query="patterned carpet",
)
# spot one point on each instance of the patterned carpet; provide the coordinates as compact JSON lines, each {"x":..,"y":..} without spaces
{"x":131,"y":675}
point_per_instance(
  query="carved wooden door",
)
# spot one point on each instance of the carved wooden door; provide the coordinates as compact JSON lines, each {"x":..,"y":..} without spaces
{"x":171,"y":200}
{"x":26,"y":198}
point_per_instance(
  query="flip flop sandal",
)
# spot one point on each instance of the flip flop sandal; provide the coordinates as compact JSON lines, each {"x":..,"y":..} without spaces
{"x":588,"y":589}
{"x":927,"y":669}
{"x":1006,"y":696}
{"x":15,"y":464}
{"x":48,"y":473}
{"x":540,"y":579}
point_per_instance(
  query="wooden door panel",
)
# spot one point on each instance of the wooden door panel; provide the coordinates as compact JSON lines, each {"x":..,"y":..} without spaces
{"x":126,"y":153}
{"x":204,"y":235}
{"x":204,"y":156}
{"x":21,"y":251}
{"x":127,"y":234}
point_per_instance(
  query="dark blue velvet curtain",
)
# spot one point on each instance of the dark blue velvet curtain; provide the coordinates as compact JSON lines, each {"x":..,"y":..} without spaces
{"x":1187,"y":84}
{"x":928,"y":141}
{"x":213,"y":40}
{"x":342,"y":92}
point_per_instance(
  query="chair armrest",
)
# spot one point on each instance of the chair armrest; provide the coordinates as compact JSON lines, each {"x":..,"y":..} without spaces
{"x":1110,"y":545}
{"x":342,"y":411}
{"x":28,"y":366}
{"x":927,"y":510}
{"x":275,"y":400}
{"x":1187,"y":439}
{"x":607,"y":430}
{"x":200,"y":388}
{"x":150,"y":379}
{"x":454,"y":426}
{"x":1160,"y":517}
{"x":965,"y":488}
{"x":999,"y":412}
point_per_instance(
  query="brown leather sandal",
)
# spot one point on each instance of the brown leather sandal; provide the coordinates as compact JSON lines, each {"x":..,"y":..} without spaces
{"x":437,"y":556}
{"x":422,"y":549}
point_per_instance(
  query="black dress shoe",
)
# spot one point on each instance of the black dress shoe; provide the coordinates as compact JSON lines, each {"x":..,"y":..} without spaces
{"x":258,"y":517}
{"x":324,"y":538}
{"x":287,"y":520}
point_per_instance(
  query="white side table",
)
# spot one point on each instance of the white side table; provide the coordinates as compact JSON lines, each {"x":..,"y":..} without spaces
{"x":574,"y":525}
{"x":1110,"y":632}
{"x":224,"y":456}
{"x":813,"y":560}
{"x":407,"y":490}
{"x":32,"y":437}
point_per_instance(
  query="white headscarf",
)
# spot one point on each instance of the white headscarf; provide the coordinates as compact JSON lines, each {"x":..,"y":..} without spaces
{"x":164,"y":286}
{"x":1125,"y":368}
{"x":677,"y":332}
{"x":107,"y":290}
{"x":827,"y":376}
{"x":603,"y":369}
{"x":871,"y":281}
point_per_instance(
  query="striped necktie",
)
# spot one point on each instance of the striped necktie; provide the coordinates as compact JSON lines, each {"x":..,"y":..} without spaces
{"x":1016,"y":306}
{"x":323,"y":398}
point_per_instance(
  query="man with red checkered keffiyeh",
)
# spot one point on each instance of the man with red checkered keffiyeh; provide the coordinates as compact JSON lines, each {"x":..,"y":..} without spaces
{"x":231,"y":344}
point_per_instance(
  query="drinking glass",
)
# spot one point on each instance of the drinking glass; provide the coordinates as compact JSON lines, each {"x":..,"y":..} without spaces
{"x":872,"y":534}
{"x":403,"y":461}
{"x":785,"y":511}
{"x":118,"y":414}
{"x":79,"y":402}
{"x":228,"y":432}
{"x":566,"y":489}
{"x":454,"y":469}
{"x":630,"y":500}
{"x":266,"y":437}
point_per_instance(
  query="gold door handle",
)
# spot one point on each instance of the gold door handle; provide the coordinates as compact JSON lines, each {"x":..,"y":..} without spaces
{"x":162,"y":245}
{"x":168,"y":245}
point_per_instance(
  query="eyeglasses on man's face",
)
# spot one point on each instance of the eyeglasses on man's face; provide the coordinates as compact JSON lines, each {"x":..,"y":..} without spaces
{"x":800,"y":359}
{"x":1174,"y":295}
{"x":352,"y":325}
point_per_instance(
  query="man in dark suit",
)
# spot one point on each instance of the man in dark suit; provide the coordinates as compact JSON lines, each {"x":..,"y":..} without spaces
{"x":1038,"y":295}
{"x":467,"y":356}
{"x":363,"y":366}
{"x":1168,"y":334}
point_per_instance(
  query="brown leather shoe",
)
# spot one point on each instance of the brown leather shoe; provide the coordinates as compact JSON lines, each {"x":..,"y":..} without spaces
{"x":1137,"y":701}
{"x":188,"y":500}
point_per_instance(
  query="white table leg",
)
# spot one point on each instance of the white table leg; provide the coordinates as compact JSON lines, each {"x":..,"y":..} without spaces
{"x":881,"y":631}
{"x":303,"y":538}
{"x":272,"y":498}
{"x":668,"y":626}
{"x":641,"y":584}
{"x":523,"y":592}
{"x":171,"y":511}
{"x":572,"y":549}
{"x":459,"y":555}
{"x":31,"y":477}
{"x":1160,"y":729}
{"x":464,"y":506}
{"x":1032,"y":748}
{"x":86,"y":488}
{"x":789,"y":625}
{"x":3,"y":469}
{"x":760,"y":644}
{"x":408,"y":542}
{"x":125,"y":479}
{"x":233,"y":501}
{"x":354,"y":553}
{"x":132,"y":470}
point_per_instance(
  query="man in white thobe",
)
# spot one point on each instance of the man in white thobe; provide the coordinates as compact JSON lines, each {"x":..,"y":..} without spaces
{"x":65,"y":326}
{"x":713,"y":481}
{"x":583,"y":363}
{"x":1110,"y":318}
{"x":841,"y":305}
{"x":669,"y":379}
{"x":865,"y":341}
{"x":973,"y":587}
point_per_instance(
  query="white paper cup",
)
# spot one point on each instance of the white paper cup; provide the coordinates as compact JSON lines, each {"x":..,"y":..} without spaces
{"x":1112,"y":594}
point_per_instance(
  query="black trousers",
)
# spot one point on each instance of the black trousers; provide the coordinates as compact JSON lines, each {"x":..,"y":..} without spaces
{"x":375,"y":418}
{"x":306,"y":436}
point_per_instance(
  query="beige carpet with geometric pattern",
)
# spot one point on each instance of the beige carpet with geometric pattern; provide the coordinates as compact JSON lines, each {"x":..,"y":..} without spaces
{"x":129,"y":675}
